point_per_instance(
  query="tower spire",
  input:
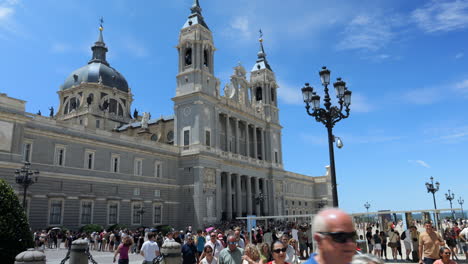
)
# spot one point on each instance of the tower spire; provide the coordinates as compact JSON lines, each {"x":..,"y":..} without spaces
{"x":99,"y":48}
{"x":262,"y":62}
{"x":196,"y":16}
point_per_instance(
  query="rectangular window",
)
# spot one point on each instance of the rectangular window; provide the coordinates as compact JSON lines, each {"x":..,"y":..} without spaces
{"x":136,"y":191}
{"x":55,"y":212}
{"x":138,"y":171}
{"x":207,"y":137}
{"x":186,"y":137}
{"x":276,"y":156}
{"x":27,"y":150}
{"x":113,"y":213}
{"x":60,"y":155}
{"x":157,"y":169}
{"x":89,"y":160}
{"x":115,"y":163}
{"x":137,"y":213}
{"x":157,"y":214}
{"x":98,"y":123}
{"x":86,"y":212}
{"x":157,"y":193}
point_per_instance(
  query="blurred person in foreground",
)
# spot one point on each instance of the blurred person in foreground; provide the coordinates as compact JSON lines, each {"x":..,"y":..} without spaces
{"x":335,"y":237}
{"x":366,"y":259}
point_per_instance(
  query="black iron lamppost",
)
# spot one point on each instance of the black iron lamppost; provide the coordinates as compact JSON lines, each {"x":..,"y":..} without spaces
{"x":433,"y":189}
{"x":367,"y":206}
{"x":24,"y":178}
{"x":450,"y":196}
{"x":329,"y":115}
{"x":461,"y":201}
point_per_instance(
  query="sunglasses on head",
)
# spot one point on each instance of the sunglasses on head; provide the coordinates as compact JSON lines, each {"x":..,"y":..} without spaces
{"x":278,"y":250}
{"x":341,"y":237}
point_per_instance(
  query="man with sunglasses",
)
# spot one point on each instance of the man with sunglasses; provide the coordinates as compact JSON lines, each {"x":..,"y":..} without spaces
{"x":335,"y":237}
{"x":215,"y":244}
{"x":232,"y":254}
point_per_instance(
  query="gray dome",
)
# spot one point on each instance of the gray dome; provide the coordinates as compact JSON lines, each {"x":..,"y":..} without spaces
{"x":92,"y":72}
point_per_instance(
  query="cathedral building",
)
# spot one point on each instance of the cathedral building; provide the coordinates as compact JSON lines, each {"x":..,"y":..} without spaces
{"x":217,"y":158}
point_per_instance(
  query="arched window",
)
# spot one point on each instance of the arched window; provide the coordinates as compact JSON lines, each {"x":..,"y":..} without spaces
{"x":258,"y":93}
{"x":205,"y":58}
{"x":188,"y":57}
{"x":113,"y":106}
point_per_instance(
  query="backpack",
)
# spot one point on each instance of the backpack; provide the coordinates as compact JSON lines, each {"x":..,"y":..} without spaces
{"x":403,"y":235}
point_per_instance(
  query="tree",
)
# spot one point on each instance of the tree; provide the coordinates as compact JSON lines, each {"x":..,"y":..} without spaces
{"x":15,"y":234}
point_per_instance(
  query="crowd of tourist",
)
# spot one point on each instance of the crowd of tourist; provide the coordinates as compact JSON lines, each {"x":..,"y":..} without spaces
{"x":277,"y":242}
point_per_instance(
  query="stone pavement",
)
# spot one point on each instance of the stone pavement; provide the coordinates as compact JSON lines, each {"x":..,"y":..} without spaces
{"x":55,"y":256}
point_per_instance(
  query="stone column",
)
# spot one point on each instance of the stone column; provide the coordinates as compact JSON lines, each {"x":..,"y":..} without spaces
{"x":262,"y":142}
{"x":255,"y":142}
{"x":238,"y":196}
{"x":228,"y":133}
{"x":266,"y":201}
{"x":219,"y":193}
{"x":247,"y":140}
{"x":77,"y":252}
{"x":249,"y":194}
{"x":273,"y":198}
{"x":257,"y":193}
{"x":237,"y":137}
{"x":228,"y":196}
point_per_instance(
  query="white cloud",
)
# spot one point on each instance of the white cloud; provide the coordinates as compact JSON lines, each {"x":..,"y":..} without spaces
{"x":459,"y":55}
{"x":60,"y":47}
{"x":462,"y":87}
{"x":239,"y":28}
{"x":367,"y":32}
{"x":423,"y":96}
{"x":360,"y":104}
{"x":289,"y":94}
{"x":8,"y":25}
{"x":420,"y":163}
{"x":5,"y":13}
{"x":442,"y":16}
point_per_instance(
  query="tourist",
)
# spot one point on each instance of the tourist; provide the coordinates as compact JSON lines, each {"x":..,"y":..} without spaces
{"x":232,"y":254}
{"x":377,"y":243}
{"x":189,"y":251}
{"x":122,"y":250}
{"x":393,"y":239}
{"x":384,"y":245}
{"x":370,"y":245}
{"x":209,"y":258}
{"x":149,"y":249}
{"x":406,"y":237}
{"x":200,"y":241}
{"x":251,"y":255}
{"x":278,"y":249}
{"x":169,"y":237}
{"x":291,"y":252}
{"x":464,"y":240}
{"x":303,"y":240}
{"x":265,"y":254}
{"x":444,"y":254}
{"x":240,"y":240}
{"x":215,"y":244}
{"x":335,"y":237}
{"x":450,"y":240}
{"x":429,"y":245}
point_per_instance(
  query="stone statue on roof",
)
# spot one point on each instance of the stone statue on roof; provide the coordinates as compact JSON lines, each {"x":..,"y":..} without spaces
{"x":144,"y":120}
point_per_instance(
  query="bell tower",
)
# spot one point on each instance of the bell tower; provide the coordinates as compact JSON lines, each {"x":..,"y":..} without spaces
{"x":196,"y":52}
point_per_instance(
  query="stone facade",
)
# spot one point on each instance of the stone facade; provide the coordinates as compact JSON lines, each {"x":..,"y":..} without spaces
{"x":218,"y":157}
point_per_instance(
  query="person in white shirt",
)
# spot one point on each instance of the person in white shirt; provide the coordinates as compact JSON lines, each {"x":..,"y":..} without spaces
{"x":290,"y":252}
{"x":150,"y":249}
{"x":464,"y":240}
{"x":169,"y":237}
{"x":215,"y":244}
{"x":407,"y":243}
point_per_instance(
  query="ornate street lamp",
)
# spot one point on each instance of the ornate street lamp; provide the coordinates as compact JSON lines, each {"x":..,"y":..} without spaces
{"x":450,"y":196}
{"x":329,"y":115}
{"x":24,"y":178}
{"x":367,"y":206}
{"x":461,"y":201}
{"x":433,"y":189}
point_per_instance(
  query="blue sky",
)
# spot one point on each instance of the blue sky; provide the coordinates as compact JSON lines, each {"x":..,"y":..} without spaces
{"x":405,"y":61}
